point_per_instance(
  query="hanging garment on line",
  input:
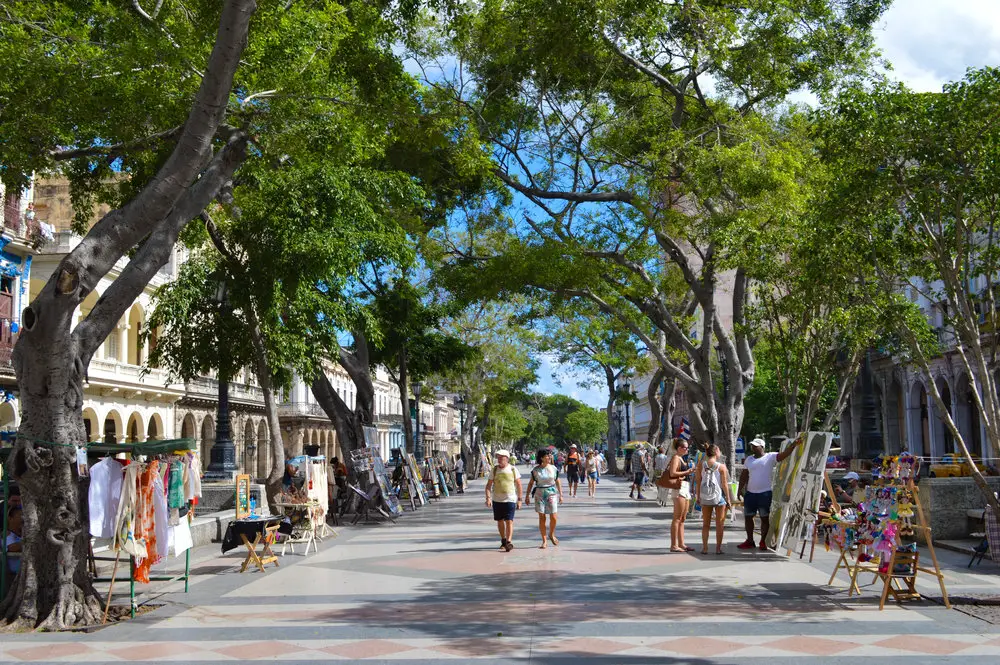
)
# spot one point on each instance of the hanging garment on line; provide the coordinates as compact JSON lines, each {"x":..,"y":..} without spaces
{"x":175,"y":491}
{"x":193,"y":489}
{"x":104,"y":496}
{"x":125,"y":518}
{"x":179,"y":539}
{"x":146,"y":519}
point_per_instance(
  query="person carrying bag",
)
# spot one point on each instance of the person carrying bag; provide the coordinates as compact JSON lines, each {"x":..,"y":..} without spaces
{"x":674,"y":490}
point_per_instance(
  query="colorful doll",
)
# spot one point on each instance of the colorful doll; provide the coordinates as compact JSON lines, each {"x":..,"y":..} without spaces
{"x":905,"y":512}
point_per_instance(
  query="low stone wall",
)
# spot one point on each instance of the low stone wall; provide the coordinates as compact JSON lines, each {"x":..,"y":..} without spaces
{"x":945,"y":502}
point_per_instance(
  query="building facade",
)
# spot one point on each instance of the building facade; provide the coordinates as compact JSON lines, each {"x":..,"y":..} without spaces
{"x":125,"y":400}
{"x":906,"y":415}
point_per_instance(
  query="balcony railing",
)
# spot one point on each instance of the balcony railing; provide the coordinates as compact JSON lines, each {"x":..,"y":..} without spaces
{"x":209,"y":388}
{"x":108,"y":368}
{"x":7,"y":341}
{"x":301,"y":409}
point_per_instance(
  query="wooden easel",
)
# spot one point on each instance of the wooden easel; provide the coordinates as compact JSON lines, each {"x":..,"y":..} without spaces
{"x":821,"y":517}
{"x":856,"y":567}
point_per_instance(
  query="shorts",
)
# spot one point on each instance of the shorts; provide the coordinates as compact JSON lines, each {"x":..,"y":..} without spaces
{"x":666,"y":495}
{"x":573,"y":474}
{"x":592,"y":474}
{"x":503,"y":511}
{"x":757,"y":503}
{"x":546,"y":505}
{"x":639,"y":477}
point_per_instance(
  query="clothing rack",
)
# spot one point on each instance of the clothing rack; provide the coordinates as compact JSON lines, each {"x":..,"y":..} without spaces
{"x":148,"y":448}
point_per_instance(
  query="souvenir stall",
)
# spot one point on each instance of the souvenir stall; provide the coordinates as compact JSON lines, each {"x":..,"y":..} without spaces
{"x":144,"y":504}
{"x":870,"y":538}
{"x":305,"y":502}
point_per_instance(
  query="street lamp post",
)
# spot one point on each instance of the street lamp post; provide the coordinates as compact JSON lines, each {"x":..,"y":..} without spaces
{"x":222,"y":464}
{"x":418,"y":441}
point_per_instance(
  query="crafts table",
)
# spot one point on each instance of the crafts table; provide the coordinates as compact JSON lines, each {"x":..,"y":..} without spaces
{"x":306,"y":519}
{"x":264,"y":532}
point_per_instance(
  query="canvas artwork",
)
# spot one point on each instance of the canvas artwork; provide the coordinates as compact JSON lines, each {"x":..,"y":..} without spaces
{"x":797,"y":485}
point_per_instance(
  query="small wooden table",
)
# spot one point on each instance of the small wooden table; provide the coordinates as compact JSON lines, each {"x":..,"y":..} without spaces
{"x":264,"y":533}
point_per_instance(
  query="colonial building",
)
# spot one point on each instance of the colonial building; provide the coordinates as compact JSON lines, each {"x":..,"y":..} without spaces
{"x":126,"y":400}
{"x":905,"y":413}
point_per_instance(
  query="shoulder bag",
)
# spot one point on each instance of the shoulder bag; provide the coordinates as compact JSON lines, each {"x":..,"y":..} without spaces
{"x":666,"y":482}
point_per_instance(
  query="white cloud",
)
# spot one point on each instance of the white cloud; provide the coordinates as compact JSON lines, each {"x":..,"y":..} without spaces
{"x":931,"y":42}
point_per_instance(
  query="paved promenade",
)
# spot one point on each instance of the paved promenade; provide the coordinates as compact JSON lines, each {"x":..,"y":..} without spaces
{"x":434,"y":588}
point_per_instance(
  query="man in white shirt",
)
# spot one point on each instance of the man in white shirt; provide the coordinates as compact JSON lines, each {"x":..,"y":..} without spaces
{"x":755,"y":487}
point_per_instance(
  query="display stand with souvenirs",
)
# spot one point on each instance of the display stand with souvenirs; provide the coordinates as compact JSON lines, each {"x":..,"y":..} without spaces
{"x":870,"y":537}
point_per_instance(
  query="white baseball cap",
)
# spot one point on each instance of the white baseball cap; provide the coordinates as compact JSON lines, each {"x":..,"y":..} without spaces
{"x":758,"y":443}
{"x":502,"y":453}
{"x":851,"y":475}
{"x":572,"y":445}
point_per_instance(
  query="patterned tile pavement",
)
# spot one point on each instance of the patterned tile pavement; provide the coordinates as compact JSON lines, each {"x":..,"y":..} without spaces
{"x":434,"y":588}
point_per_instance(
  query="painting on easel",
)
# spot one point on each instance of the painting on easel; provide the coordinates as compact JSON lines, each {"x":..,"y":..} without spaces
{"x":797,"y":491}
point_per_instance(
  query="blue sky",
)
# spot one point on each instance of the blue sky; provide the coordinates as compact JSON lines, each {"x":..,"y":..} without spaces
{"x":928,"y":42}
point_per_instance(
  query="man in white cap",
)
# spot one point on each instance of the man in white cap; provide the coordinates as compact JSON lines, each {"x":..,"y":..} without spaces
{"x":847,"y":495}
{"x":503,"y":493}
{"x":755,"y":486}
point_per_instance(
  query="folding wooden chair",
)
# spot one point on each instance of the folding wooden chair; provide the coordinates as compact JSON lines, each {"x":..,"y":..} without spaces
{"x":900,"y":578}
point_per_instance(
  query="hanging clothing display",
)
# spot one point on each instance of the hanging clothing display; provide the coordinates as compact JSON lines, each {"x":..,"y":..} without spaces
{"x":104,"y":496}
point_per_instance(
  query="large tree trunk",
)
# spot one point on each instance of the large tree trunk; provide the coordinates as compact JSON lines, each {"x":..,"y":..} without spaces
{"x":349,"y":423}
{"x":404,"y":400}
{"x":614,"y":435}
{"x":263,"y":367}
{"x":54,"y":591}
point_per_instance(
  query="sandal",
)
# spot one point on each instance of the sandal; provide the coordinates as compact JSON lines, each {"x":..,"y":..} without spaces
{"x":688,"y":549}
{"x":677,"y":550}
{"x":508,"y":546}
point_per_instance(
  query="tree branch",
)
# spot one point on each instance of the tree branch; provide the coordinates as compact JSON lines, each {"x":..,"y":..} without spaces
{"x":155,"y":251}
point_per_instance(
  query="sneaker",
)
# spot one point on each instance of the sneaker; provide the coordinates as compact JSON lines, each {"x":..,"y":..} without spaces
{"x":641,"y":498}
{"x":746,"y":545}
{"x":763,"y":547}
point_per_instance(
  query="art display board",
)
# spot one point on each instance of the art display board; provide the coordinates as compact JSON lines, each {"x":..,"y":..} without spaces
{"x":796,"y":490}
{"x":416,"y":480}
{"x":370,"y":459}
{"x":242,"y":496}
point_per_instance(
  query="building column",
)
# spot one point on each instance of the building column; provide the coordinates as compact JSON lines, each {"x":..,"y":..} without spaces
{"x":906,"y":433}
{"x":122,"y":344}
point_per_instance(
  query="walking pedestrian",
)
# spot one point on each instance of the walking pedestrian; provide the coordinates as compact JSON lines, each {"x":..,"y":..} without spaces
{"x":712,"y":481}
{"x":573,"y":469}
{"x":593,"y":473}
{"x":503,"y":493}
{"x":659,"y":466}
{"x":755,"y":488}
{"x":637,"y":466}
{"x":460,"y":474}
{"x":672,"y":484}
{"x":545,"y":488}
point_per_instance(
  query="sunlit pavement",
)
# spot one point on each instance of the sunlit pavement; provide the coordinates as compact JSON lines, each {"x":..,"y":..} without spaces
{"x":434,"y":587}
